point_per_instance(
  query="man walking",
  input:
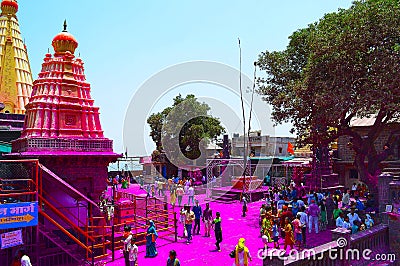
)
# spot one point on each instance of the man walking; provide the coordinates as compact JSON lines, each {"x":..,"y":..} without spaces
{"x":244,"y":209}
{"x":179,"y":194}
{"x":218,"y":230}
{"x":127,"y":238}
{"x":207,"y":219}
{"x":346,"y":198}
{"x":197,"y":216}
{"x":303,"y":222}
{"x":191,"y":194}
{"x":313,"y":212}
{"x":189,"y":217}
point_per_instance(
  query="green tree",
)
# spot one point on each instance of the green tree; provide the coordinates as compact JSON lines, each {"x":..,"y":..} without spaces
{"x":188,"y":123}
{"x":344,"y":66}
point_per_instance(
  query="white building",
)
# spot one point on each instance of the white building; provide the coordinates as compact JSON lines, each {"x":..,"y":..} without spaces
{"x":261,"y":145}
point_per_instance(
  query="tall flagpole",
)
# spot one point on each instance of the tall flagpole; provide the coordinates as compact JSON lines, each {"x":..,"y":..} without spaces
{"x":244,"y":119}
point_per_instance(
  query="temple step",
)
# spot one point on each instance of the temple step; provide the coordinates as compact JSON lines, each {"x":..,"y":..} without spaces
{"x":72,"y":250}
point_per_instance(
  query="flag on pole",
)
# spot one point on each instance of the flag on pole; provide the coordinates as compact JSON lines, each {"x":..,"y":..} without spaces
{"x":290,"y":148}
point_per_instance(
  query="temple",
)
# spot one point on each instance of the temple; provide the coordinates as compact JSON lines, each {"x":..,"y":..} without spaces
{"x":15,"y":72}
{"x":62,"y":126}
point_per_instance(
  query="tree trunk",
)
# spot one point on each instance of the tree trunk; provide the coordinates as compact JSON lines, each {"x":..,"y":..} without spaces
{"x":370,"y":179}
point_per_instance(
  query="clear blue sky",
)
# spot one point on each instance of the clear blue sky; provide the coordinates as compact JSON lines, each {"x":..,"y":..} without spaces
{"x":124,"y":42}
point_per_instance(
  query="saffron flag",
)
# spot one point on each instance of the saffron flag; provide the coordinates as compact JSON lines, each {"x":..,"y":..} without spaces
{"x":290,"y":148}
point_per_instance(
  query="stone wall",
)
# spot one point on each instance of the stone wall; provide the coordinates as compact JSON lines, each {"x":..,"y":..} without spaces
{"x":345,"y":153}
{"x":394,"y":236}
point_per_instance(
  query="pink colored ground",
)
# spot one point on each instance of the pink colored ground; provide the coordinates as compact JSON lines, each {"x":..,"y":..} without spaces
{"x":202,"y":250}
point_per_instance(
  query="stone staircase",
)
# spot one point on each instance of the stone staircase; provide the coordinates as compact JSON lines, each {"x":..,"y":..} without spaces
{"x":61,"y":243}
{"x":68,"y":247}
{"x":224,"y":196}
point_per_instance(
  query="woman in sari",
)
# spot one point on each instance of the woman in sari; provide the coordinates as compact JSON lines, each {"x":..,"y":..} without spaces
{"x":289,"y":238}
{"x":267,"y":224}
{"x":173,"y":198}
{"x":151,"y":238}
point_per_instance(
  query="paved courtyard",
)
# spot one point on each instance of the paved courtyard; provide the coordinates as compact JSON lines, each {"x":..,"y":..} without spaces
{"x":202,"y":250}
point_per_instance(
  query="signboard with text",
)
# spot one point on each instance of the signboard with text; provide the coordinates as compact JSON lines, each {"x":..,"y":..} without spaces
{"x":21,"y":214}
{"x":11,"y":239}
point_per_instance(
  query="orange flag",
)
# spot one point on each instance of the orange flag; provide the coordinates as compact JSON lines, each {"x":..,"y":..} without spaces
{"x":290,"y":148}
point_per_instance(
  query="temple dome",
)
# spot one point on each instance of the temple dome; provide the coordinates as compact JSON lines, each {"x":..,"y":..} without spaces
{"x":64,"y":41}
{"x":9,"y":7}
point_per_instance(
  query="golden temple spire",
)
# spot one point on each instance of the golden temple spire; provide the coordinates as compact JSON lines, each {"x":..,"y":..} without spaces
{"x":15,"y":71}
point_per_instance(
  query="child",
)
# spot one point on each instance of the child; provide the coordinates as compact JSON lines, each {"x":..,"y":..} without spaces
{"x":182,"y":220}
{"x":265,"y":241}
{"x":133,"y":252}
{"x":148,"y":189}
{"x":275,"y":234}
{"x":297,"y":230}
{"x":356,"y":226}
{"x":172,"y":260}
{"x":346,"y":223}
{"x":368,"y":221}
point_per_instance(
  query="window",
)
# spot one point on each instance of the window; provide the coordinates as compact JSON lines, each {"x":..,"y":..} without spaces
{"x":353,"y":173}
{"x":280,"y":149}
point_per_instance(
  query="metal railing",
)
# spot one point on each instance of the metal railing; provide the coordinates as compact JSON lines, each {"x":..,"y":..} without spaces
{"x":375,"y":239}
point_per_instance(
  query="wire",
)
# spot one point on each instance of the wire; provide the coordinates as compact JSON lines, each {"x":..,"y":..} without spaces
{"x":251,"y":104}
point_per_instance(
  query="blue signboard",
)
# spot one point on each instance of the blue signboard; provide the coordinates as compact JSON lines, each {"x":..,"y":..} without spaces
{"x":15,"y":215}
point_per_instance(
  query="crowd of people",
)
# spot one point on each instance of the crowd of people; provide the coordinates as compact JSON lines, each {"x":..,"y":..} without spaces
{"x":287,"y":215}
{"x":130,"y":249}
{"x":287,"y":212}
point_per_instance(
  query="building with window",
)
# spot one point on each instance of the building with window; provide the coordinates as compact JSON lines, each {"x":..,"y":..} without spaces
{"x":261,"y":145}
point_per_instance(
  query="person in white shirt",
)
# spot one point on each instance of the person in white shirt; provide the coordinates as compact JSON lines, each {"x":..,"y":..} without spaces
{"x":191,"y":195}
{"x":346,"y":198}
{"x":133,"y":252}
{"x":346,"y":223}
{"x":25,"y":260}
{"x":300,"y":203}
{"x":179,"y":194}
{"x":304,"y":223}
{"x":353,"y":216}
{"x":127,"y":238}
{"x":353,"y":189}
{"x":276,"y":196}
{"x":187,"y":184}
{"x":340,"y":220}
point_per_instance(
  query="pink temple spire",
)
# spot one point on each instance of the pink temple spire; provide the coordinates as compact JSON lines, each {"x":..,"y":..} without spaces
{"x":60,"y":101}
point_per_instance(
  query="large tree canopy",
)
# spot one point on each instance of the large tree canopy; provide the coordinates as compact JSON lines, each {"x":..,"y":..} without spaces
{"x":345,"y":66}
{"x":188,"y":123}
